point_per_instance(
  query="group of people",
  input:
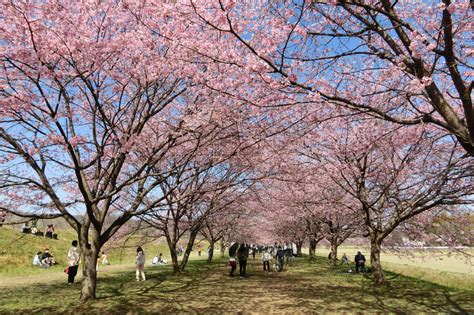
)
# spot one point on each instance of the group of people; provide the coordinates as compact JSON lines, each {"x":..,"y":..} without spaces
{"x":43,"y":259}
{"x":242,"y":254}
{"x":33,"y":229}
{"x":276,"y":253}
{"x":359,"y":261}
{"x":237,"y":252}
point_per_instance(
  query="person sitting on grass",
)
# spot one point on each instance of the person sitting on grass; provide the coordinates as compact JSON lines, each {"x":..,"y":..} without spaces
{"x":158,"y":260}
{"x":34,"y":228}
{"x":37,"y":259}
{"x":47,"y":259}
{"x":49,"y":231}
{"x":25,"y":228}
{"x":344,"y":259}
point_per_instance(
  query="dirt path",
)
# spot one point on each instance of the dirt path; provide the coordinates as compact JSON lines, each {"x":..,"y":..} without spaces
{"x":56,"y":275}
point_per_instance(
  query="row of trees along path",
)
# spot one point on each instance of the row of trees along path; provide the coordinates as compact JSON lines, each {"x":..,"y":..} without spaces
{"x":226,"y":119}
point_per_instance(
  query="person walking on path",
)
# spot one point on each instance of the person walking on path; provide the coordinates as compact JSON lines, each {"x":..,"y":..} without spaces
{"x":266,"y":257}
{"x":140,"y":262}
{"x":242,"y":255}
{"x":73,"y":257}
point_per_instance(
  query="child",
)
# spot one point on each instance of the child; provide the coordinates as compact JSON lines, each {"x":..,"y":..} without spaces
{"x":104,"y":259}
{"x":233,"y":266}
{"x":140,"y":262}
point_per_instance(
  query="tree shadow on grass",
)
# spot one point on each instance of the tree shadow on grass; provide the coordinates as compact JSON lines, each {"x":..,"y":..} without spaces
{"x":301,"y":288}
{"x":401,"y":295}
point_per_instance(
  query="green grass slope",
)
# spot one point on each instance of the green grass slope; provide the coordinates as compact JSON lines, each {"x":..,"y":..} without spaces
{"x":17,"y":250}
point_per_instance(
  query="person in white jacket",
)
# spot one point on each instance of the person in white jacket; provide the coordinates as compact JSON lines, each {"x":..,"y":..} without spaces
{"x":266,"y":257}
{"x":140,"y":262}
{"x":73,"y":257}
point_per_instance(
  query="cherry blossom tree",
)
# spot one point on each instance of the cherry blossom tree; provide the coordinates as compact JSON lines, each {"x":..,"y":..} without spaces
{"x":332,"y":213}
{"x":196,"y":195}
{"x":405,"y":173}
{"x":225,"y":217}
{"x":93,"y":104}
{"x":406,"y":62}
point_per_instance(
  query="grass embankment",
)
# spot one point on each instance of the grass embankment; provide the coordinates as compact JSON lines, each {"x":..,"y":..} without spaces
{"x":17,"y":250}
{"x":301,"y":288}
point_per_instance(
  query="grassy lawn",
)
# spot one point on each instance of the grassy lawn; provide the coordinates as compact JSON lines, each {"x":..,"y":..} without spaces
{"x":303,"y":287}
{"x":437,"y":266}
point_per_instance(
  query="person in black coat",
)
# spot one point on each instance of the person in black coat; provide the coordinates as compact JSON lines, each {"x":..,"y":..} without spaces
{"x":359,"y":260}
{"x":242,"y":255}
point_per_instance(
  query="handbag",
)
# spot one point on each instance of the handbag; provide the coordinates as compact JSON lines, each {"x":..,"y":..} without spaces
{"x":66,"y":271}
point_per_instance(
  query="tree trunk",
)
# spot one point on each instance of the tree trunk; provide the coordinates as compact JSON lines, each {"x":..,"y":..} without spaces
{"x":375,"y":247}
{"x":312,"y":248}
{"x":333,"y":254}
{"x":89,"y":252}
{"x":210,"y":251}
{"x":174,"y":259}
{"x":187,"y":252}
{"x":299,"y":245}
{"x":89,"y":276}
{"x":222,"y":248}
{"x":172,"y":247}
